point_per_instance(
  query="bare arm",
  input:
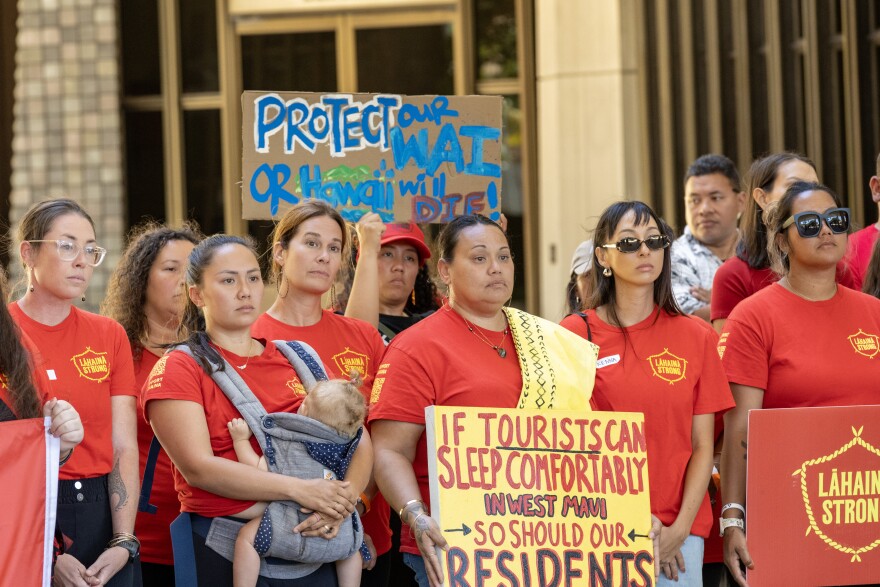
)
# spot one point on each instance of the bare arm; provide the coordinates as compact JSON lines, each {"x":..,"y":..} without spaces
{"x":363,"y":300}
{"x":733,"y":473}
{"x":395,"y":446}
{"x":183,"y":431}
{"x":696,"y":479}
{"x":718,"y":324}
{"x":123,"y":484}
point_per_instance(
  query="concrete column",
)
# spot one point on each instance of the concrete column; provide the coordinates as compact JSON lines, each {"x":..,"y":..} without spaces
{"x":67,"y":137}
{"x":589,"y":128}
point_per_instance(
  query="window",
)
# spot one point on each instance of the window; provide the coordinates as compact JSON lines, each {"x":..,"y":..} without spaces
{"x":801,"y":75}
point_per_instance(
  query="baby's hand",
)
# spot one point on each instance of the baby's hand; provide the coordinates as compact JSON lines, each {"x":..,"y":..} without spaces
{"x":238,"y":429}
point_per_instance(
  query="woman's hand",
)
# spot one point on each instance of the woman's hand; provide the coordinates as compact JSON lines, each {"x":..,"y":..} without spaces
{"x":66,"y":424}
{"x":671,"y":560}
{"x":317,"y":525}
{"x":69,"y":572}
{"x":108,"y":564}
{"x":654,"y":535}
{"x":331,"y":499}
{"x":428,"y":536}
{"x":736,"y":553}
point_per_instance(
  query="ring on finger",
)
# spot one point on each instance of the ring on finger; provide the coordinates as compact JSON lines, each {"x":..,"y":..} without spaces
{"x":327,"y":529}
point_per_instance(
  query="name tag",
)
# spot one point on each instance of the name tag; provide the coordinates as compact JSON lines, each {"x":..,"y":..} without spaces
{"x":609,"y":360}
{"x":50,"y":373}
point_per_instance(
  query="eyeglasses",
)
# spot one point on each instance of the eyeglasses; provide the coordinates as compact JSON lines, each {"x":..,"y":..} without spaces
{"x":809,"y":224}
{"x":631,"y":244}
{"x":68,"y":251}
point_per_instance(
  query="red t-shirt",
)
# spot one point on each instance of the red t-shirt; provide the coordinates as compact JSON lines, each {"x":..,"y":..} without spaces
{"x":669,"y":370}
{"x":87,"y":360}
{"x":343,"y":344}
{"x":178,"y":376}
{"x":859,"y":247}
{"x":804,"y":353}
{"x":735,"y":280}
{"x":152,"y":528}
{"x":439,"y":362}
{"x":38,"y":374}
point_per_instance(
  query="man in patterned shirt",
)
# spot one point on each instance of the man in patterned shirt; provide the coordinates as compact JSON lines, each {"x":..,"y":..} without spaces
{"x":714,"y":201}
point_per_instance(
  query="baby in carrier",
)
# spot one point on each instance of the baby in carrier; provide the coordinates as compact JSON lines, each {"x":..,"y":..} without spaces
{"x":338,"y":404}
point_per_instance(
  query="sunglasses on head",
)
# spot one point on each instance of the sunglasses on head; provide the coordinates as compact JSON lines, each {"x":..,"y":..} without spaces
{"x":809,"y":224}
{"x":631,"y":244}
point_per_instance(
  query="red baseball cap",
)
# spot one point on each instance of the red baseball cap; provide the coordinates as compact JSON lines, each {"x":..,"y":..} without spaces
{"x":409,"y":234}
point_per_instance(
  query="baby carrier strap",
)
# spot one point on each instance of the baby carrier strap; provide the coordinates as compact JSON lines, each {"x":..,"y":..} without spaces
{"x":305,"y":362}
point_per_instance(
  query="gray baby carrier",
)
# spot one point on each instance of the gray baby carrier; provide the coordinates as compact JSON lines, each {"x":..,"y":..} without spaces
{"x":281,"y":436}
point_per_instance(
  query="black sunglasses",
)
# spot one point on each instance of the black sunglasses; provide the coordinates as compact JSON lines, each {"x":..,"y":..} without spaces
{"x":809,"y":224}
{"x":631,"y":244}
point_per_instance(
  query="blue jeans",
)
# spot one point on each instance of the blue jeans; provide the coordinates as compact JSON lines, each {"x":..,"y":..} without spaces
{"x":692,"y":551}
{"x":417,"y":564}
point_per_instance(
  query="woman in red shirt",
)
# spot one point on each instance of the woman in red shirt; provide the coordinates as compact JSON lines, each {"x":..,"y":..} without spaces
{"x":308,"y":246}
{"x":655,"y":360}
{"x":749,"y":270}
{"x":190,"y":414}
{"x":769,"y":361}
{"x":146,"y":296}
{"x":88,"y":362}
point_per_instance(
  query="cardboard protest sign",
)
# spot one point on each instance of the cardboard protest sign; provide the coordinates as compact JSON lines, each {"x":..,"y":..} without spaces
{"x":407,"y":158}
{"x":540,"y":497}
{"x":813,"y":496}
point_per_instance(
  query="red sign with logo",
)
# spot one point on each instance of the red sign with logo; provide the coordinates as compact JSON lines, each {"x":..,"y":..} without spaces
{"x":813,"y":496}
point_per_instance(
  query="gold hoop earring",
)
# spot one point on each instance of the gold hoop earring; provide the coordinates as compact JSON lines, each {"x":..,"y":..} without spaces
{"x":606,"y":272}
{"x":413,"y":297}
{"x":278,"y":288}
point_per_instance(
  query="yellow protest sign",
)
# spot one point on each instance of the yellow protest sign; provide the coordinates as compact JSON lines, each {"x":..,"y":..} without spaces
{"x":540,"y":498}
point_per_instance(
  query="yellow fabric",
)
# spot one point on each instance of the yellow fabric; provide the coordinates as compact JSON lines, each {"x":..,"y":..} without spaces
{"x":558,"y":366}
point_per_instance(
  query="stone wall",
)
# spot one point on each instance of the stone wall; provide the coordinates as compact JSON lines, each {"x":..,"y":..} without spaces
{"x":67,"y":138}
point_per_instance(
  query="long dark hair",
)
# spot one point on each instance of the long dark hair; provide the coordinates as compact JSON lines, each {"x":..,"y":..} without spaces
{"x":424,"y":297}
{"x":127,"y":292}
{"x":604,"y":288}
{"x":752,"y":247}
{"x":192,"y":325}
{"x":16,"y":364}
{"x":572,"y":295}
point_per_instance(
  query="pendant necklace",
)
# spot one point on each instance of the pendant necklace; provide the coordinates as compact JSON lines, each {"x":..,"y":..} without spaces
{"x":496,"y":347}
{"x":248,"y":360}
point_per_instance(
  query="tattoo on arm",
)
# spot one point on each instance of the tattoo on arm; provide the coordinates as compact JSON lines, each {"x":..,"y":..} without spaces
{"x":116,"y":487}
{"x":745,"y":449}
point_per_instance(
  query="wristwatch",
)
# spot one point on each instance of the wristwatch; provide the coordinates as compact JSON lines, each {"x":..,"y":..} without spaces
{"x":132,"y":546}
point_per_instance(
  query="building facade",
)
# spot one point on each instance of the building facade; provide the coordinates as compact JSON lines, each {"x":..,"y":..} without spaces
{"x":133,"y":108}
